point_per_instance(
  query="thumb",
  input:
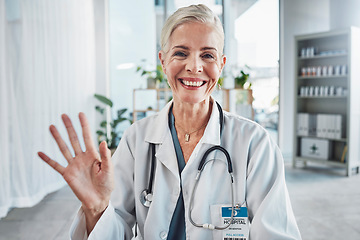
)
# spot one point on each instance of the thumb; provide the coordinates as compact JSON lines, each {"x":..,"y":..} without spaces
{"x":105,"y":155}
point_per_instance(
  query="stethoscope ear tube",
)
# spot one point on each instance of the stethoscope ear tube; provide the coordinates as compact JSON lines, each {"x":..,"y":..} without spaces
{"x":220,"y":148}
{"x":221,"y":118}
{"x":146,"y":195}
{"x":152,"y":170}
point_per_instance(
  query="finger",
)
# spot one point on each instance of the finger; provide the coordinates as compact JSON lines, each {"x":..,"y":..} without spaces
{"x":56,"y":166}
{"x":60,"y":142}
{"x":72,"y":134}
{"x":89,"y":144}
{"x":105,"y":155}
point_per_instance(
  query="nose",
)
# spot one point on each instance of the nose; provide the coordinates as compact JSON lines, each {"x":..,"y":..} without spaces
{"x":194,"y":65}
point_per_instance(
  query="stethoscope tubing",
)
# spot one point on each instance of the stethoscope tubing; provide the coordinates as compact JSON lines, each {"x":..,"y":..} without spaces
{"x":214,"y":148}
{"x":209,"y":225}
{"x":146,"y":194}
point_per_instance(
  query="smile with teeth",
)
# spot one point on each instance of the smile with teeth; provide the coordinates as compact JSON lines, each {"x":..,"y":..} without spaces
{"x":192,"y":83}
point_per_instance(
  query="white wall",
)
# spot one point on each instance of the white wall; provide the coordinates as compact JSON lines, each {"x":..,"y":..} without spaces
{"x":344,"y":13}
{"x":230,"y":45}
{"x":132,"y":38}
{"x":101,"y":45}
{"x":101,"y":27}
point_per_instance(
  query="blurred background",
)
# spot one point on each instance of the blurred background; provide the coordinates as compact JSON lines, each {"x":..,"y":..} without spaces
{"x":56,"y":55}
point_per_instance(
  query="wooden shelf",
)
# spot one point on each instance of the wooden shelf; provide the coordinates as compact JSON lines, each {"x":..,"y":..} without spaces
{"x":162,"y":96}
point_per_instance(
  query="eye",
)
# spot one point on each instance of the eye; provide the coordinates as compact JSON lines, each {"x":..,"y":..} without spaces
{"x":208,"y":56}
{"x":180,"y":54}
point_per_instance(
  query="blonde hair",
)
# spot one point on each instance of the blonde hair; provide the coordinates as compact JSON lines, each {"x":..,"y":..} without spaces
{"x":193,"y":13}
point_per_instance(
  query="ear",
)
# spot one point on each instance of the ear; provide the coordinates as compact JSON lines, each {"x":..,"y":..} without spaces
{"x":222,"y":63}
{"x":162,"y":60}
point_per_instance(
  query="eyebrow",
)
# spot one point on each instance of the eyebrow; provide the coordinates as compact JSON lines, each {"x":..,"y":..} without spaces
{"x":202,"y":49}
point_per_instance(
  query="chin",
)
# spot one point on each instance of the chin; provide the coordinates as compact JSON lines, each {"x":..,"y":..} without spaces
{"x":193,"y":99}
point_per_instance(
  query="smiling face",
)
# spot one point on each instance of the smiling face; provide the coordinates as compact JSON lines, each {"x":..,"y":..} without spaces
{"x":193,"y":62}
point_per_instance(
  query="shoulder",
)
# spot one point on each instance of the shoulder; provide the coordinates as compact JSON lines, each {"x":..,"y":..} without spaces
{"x":150,"y":129}
{"x":246,"y":131}
{"x":142,"y":125}
{"x":239,"y":123}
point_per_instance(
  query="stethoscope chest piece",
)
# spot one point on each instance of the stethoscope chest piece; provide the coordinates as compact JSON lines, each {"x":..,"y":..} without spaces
{"x":146,"y":198}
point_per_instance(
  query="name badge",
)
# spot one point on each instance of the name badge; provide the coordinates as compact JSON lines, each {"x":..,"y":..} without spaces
{"x":239,"y":228}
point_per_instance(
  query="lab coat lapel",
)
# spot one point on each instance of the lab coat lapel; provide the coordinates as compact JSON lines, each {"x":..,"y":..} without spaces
{"x":212,"y":131}
{"x":167,"y":156}
{"x":160,"y":135}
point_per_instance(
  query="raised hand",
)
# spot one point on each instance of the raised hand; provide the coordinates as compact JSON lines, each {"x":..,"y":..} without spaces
{"x":89,"y":175}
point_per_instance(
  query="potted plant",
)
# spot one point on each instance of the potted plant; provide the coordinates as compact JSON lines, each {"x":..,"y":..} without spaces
{"x":244,"y":95}
{"x":155,"y":78}
{"x":108,"y":131}
{"x":241,"y":80}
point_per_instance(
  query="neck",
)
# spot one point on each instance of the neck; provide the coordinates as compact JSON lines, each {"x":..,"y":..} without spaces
{"x":192,"y":116}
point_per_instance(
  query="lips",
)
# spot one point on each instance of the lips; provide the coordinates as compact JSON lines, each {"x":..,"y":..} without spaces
{"x":192,"y":83}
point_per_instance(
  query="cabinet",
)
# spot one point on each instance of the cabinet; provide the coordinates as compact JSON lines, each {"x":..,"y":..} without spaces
{"x":327,"y":98}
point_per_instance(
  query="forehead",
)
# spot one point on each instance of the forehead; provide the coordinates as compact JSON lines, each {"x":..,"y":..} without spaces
{"x":195,"y":35}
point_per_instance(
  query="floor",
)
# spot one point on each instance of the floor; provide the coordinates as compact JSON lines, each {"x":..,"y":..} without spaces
{"x":326,"y":205}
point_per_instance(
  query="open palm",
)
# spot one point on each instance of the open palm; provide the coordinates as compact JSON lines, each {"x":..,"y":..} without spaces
{"x":89,"y":174}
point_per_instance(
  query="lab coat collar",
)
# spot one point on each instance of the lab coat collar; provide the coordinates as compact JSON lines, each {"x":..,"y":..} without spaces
{"x":161,"y":130}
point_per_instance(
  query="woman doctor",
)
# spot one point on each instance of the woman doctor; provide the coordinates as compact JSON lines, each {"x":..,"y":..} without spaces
{"x":180,"y":207}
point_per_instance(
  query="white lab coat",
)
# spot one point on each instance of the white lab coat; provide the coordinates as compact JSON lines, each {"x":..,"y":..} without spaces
{"x":258,"y":180}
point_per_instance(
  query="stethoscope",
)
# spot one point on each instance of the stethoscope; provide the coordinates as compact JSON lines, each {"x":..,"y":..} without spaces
{"x":146,"y":196}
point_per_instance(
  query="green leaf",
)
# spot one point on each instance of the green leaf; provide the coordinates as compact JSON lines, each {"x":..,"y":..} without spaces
{"x":117,"y":121}
{"x":100,"y":133}
{"x":242,"y":79}
{"x":100,"y":109}
{"x":103,"y":124}
{"x":103,"y":99}
{"x":121,"y":112}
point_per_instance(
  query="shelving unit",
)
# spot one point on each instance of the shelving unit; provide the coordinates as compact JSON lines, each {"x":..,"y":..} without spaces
{"x":237,"y":100}
{"x":162,"y":96}
{"x":327,"y":81}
